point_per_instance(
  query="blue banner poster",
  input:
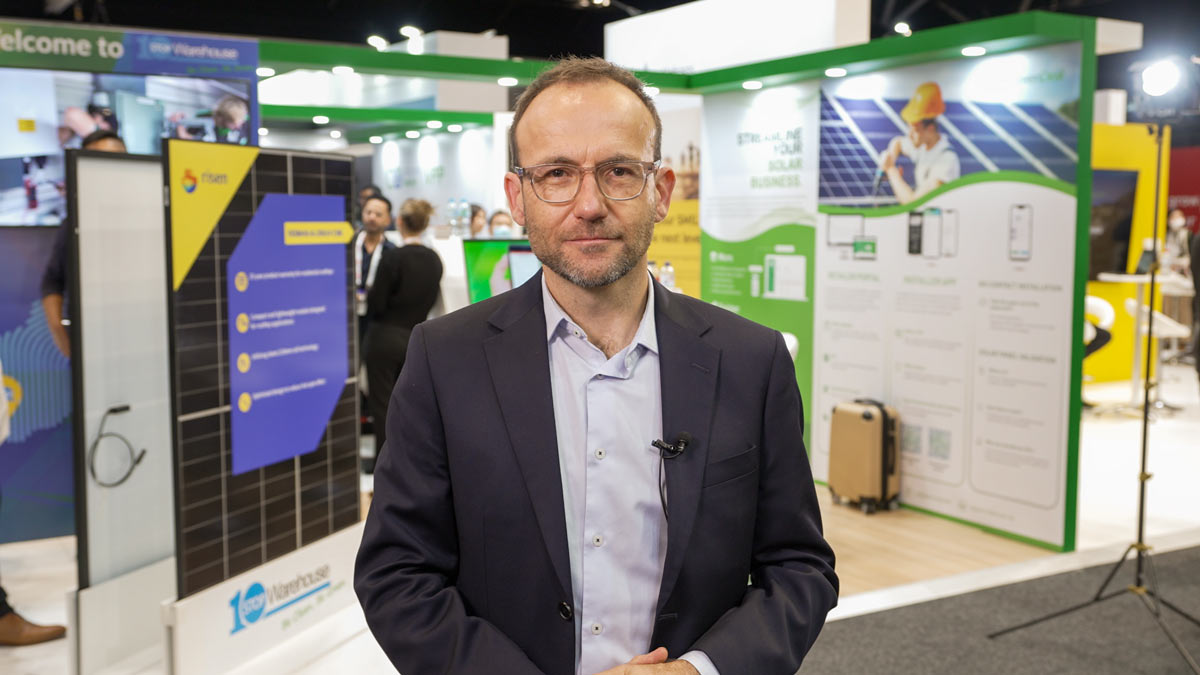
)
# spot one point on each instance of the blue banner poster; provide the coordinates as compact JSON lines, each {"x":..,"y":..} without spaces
{"x":36,"y":475}
{"x":288,"y":327}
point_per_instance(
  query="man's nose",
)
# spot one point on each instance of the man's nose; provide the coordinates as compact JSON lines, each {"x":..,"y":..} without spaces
{"x":590,"y":203}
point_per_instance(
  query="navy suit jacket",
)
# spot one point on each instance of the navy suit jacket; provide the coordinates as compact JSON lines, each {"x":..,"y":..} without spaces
{"x":463,"y":566}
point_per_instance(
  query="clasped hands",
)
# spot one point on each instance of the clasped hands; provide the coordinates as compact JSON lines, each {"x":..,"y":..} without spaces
{"x":653,"y":663}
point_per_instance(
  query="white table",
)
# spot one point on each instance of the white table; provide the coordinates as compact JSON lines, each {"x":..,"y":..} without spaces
{"x":1167,"y":281}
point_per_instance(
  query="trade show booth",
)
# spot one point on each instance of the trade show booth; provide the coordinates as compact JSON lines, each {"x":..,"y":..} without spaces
{"x":918,"y":215}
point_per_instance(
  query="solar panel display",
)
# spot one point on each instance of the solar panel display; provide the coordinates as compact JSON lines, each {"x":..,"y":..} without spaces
{"x":854,"y":131}
{"x":1047,"y":153}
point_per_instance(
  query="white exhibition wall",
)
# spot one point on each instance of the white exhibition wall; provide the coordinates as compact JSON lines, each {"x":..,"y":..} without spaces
{"x":712,"y":34}
{"x":440,"y":167}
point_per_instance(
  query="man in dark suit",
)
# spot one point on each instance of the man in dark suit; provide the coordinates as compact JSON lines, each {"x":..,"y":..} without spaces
{"x":524,"y":519}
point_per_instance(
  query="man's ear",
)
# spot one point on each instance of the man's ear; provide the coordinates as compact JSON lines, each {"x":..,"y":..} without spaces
{"x":512,"y":190}
{"x":664,"y":184}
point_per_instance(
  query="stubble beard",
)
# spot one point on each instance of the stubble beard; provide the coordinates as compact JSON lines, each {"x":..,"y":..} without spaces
{"x":634,"y":245}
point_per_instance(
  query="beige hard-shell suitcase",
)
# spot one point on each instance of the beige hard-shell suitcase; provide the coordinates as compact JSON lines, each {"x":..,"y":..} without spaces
{"x":863,"y":462}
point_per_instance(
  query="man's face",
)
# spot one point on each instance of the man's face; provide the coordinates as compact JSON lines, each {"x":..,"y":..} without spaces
{"x":106,"y":145}
{"x":922,"y":134}
{"x":590,"y":241}
{"x":375,"y":216}
{"x":237,"y":117}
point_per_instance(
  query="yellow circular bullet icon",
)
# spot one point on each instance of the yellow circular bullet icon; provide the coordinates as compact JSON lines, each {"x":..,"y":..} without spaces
{"x":241,"y":282}
{"x":244,"y":403}
{"x":243,"y":323}
{"x":243,"y":363}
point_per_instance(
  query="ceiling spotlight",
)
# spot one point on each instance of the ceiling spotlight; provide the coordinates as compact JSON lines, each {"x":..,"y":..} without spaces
{"x":1160,"y":77}
{"x":343,"y":70}
{"x":835,"y":72}
{"x":411,"y":32}
{"x":335,"y":133}
{"x":378,"y":42}
{"x":376,"y":140}
{"x":434,"y":124}
{"x":263,"y":131}
{"x":454,"y":128}
{"x":264,"y":71}
{"x":320,"y":119}
{"x":752,"y":85}
{"x":903,"y":28}
{"x":412,"y":133}
{"x":507,"y":82}
{"x":973,"y":50}
{"x":651,"y":91}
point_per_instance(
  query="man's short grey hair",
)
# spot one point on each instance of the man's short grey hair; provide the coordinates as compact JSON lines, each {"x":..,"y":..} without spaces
{"x":576,"y":70}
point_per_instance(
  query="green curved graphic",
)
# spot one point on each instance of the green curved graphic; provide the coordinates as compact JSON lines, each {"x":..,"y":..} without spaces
{"x":727,"y":280}
{"x":969,"y":179}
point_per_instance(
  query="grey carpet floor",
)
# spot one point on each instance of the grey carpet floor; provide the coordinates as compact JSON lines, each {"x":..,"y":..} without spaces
{"x":1116,"y":636}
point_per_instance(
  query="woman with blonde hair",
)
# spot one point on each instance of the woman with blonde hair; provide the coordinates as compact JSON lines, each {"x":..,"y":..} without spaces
{"x":407,"y":285}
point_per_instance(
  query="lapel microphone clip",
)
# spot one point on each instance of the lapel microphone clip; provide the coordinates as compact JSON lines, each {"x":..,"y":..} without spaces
{"x":672,"y":450}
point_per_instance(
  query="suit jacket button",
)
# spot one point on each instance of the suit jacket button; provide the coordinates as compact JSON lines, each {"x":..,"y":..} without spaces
{"x":565,"y":611}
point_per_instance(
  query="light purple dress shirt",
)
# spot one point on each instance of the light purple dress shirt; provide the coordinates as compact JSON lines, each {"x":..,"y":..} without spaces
{"x":606,"y":412}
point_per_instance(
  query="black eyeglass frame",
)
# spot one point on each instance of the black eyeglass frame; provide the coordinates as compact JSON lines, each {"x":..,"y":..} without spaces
{"x":650,"y":168}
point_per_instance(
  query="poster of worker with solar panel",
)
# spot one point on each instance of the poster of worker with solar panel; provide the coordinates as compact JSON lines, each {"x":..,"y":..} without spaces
{"x":946,"y":277}
{"x":895,"y":136}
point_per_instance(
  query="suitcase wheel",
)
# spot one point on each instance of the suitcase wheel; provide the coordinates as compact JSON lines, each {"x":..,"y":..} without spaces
{"x":868,"y":506}
{"x":834,"y":497}
{"x":894,"y":503}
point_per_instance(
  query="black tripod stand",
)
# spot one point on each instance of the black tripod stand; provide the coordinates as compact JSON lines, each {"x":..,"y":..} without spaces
{"x":1149,"y":595}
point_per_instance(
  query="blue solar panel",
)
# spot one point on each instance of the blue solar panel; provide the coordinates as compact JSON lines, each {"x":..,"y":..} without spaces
{"x":1056,"y":125}
{"x":847,"y":169}
{"x":1049,"y":154}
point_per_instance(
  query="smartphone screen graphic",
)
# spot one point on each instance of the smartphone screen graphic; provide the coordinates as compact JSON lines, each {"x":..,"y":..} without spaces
{"x":931,"y":234}
{"x":915,"y":220}
{"x":1020,"y":232}
{"x":949,"y":233}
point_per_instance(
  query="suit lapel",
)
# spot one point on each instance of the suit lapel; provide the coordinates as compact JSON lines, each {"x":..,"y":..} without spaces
{"x":519,"y":362}
{"x":688,"y":367}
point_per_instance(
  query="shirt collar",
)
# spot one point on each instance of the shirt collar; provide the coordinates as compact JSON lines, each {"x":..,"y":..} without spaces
{"x":647,"y":332}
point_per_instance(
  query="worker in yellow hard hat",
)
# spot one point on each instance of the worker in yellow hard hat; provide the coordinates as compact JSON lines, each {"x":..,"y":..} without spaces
{"x":936,"y":162}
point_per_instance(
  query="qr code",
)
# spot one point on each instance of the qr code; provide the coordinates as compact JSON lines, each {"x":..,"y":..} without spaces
{"x":939,"y":443}
{"x":910,"y":438}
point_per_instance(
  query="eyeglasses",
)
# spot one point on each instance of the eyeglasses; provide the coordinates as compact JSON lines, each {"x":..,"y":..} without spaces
{"x":559,"y":183}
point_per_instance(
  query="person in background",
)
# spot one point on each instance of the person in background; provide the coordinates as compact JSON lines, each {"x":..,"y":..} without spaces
{"x":369,"y":247}
{"x":228,"y":123}
{"x":54,"y":279}
{"x":406,"y":288}
{"x":1175,"y":253}
{"x":365,"y":193}
{"x":935,"y":161}
{"x":15,"y":630}
{"x":478,"y":222}
{"x":500,"y":225}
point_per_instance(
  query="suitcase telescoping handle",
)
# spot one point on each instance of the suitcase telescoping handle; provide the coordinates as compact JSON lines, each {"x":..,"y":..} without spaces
{"x":889,"y":444}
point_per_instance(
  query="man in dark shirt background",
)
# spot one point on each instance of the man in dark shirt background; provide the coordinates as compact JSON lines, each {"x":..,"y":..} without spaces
{"x":54,"y":280}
